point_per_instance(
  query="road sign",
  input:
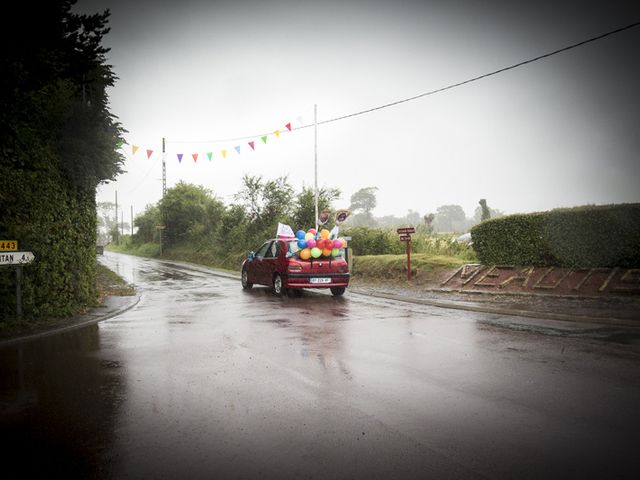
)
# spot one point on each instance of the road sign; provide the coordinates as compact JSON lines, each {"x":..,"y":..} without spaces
{"x":405,"y":238}
{"x":16,"y":258}
{"x":405,"y":230}
{"x":11,"y":245}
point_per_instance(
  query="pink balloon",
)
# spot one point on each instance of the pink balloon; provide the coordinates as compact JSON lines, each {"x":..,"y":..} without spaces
{"x":311,"y":243}
{"x":337,"y":244}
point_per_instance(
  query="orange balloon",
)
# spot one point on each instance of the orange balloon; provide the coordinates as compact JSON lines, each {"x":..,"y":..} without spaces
{"x":326,"y":252}
{"x":305,"y":253}
{"x":324,"y":233}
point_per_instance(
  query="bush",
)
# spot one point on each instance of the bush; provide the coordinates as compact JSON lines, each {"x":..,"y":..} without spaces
{"x":373,"y":241}
{"x":589,"y":236}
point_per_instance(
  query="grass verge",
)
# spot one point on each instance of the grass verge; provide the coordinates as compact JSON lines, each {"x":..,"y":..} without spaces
{"x":426,"y":269}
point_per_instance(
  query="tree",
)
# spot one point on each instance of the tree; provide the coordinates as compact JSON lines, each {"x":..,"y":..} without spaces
{"x":428,"y":222}
{"x":362,"y":204}
{"x":305,"y":209}
{"x":59,"y":141}
{"x":106,"y":221}
{"x":364,"y":201}
{"x":479,"y":213}
{"x":147,"y":223}
{"x":450,"y":218}
{"x":486,"y":214}
{"x":267,"y":202}
{"x":189,"y":211}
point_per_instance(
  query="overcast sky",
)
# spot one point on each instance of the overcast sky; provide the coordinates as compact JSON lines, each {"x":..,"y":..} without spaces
{"x":559,"y":132}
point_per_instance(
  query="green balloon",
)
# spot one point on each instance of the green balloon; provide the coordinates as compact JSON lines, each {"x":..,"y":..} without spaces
{"x":316,"y":252}
{"x":335,"y":252}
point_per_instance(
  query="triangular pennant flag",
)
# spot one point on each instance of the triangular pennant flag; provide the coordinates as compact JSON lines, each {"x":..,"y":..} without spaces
{"x":224,"y":153}
{"x":149,"y":152}
{"x":134,"y":149}
{"x":264,"y":139}
{"x":195,"y":157}
{"x":277,"y":133}
{"x":252,"y":145}
{"x":209,"y":154}
{"x":237,"y":149}
{"x":288,"y":125}
{"x":179,"y":157}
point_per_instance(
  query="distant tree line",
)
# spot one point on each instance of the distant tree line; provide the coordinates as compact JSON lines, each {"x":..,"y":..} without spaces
{"x":446,"y":219}
{"x":191,"y":218}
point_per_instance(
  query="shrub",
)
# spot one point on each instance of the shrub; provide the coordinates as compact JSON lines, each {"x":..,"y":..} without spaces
{"x":589,"y":236}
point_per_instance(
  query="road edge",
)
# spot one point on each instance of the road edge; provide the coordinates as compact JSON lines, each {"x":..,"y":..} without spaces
{"x":91,"y":317}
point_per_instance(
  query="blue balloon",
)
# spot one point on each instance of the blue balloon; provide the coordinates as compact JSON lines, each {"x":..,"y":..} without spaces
{"x":302,"y":243}
{"x":300,"y":235}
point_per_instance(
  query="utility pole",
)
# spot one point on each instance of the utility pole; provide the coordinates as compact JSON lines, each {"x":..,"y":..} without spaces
{"x":164,"y":188}
{"x":132,"y":222}
{"x":164,"y":170}
{"x":315,"y":158}
{"x":116,"y":222}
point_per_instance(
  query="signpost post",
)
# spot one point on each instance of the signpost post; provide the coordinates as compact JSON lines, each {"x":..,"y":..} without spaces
{"x":405,"y":236}
{"x":10,"y":256}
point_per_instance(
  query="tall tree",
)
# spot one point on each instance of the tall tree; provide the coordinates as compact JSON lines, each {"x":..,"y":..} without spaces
{"x":266,"y":202}
{"x":189,"y":211}
{"x":305,"y":205}
{"x":450,"y":218}
{"x":486,"y":213}
{"x":58,"y":141}
{"x":364,"y":200}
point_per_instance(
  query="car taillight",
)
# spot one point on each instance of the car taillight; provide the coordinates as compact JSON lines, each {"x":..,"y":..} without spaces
{"x":343,"y":268}
{"x":294,"y":267}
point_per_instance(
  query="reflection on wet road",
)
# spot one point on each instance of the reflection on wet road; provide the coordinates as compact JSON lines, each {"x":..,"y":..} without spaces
{"x":204,"y":380}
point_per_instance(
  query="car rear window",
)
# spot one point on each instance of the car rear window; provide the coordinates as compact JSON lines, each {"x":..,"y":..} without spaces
{"x":293,"y":247}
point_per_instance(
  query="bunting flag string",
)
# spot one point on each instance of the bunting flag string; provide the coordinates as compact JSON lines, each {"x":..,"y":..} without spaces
{"x":223,"y":152}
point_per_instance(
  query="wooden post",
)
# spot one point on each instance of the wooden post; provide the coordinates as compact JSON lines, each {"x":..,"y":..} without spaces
{"x":19,"y":291}
{"x":408,"y":242}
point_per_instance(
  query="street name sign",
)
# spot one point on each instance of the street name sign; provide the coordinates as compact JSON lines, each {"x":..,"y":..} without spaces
{"x":405,"y":230}
{"x":16,"y":258}
{"x":11,"y":245}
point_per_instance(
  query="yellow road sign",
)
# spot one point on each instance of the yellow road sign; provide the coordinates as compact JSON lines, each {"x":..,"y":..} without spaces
{"x":8,"y":245}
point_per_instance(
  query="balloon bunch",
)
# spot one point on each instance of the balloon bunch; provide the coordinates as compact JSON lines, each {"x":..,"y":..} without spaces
{"x":313,"y":244}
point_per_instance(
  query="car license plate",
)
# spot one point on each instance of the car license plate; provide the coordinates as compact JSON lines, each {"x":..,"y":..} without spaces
{"x":320,"y":280}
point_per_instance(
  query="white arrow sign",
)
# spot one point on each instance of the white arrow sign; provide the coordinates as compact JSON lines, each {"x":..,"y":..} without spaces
{"x":16,"y":258}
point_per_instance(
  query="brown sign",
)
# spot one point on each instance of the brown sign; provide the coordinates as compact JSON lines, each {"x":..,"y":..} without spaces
{"x":405,"y":238}
{"x":405,"y":230}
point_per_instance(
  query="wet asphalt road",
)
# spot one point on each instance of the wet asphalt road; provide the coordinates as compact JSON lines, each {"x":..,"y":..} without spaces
{"x":204,"y":380}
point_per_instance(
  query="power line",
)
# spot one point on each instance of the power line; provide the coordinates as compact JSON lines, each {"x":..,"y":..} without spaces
{"x":438,"y":90}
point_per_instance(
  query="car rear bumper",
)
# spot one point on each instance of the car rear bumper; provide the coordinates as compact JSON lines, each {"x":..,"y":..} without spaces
{"x":305,"y":280}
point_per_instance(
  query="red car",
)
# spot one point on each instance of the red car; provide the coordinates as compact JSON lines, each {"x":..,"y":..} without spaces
{"x":276,"y":265}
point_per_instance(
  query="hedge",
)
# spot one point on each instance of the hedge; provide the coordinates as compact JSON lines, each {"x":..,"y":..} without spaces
{"x":55,"y":220}
{"x":587,"y":236}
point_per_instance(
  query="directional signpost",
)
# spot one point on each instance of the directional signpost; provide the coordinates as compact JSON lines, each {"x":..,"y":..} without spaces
{"x":11,"y":257}
{"x":16,"y":258}
{"x":405,"y":236}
